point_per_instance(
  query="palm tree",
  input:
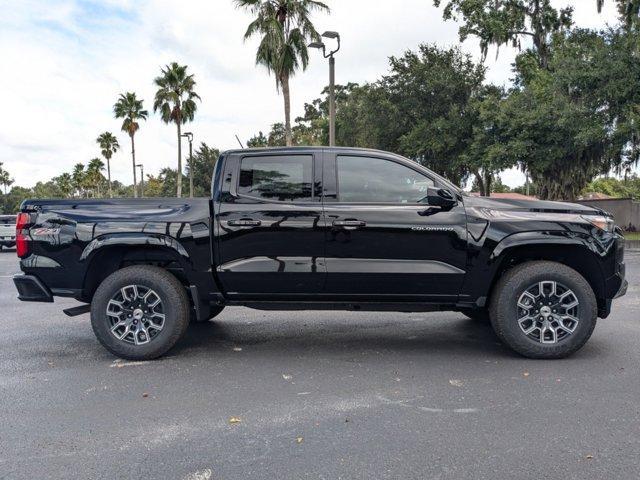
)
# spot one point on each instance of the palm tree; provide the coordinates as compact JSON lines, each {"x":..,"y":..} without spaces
{"x":65,"y":183}
{"x":78,"y":178}
{"x":5,"y":179}
{"x":286,"y":29}
{"x":94,"y":177}
{"x":108,"y":145}
{"x":175,"y":98}
{"x":129,"y":108}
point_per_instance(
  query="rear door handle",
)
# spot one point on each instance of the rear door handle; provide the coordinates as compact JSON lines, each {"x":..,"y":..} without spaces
{"x":244,"y":222}
{"x":349,"y":224}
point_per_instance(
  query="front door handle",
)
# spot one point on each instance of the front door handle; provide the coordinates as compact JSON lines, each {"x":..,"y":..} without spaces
{"x":349,"y":224}
{"x":244,"y":222}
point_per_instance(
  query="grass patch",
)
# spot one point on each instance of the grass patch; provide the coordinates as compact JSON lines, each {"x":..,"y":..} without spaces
{"x":632,"y":235}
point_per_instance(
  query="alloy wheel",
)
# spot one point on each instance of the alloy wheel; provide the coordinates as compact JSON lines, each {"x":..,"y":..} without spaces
{"x":548,"y":312}
{"x":135,"y":314}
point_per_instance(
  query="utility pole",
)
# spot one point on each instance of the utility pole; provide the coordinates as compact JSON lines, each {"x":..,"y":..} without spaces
{"x":332,"y":81}
{"x":189,"y":136}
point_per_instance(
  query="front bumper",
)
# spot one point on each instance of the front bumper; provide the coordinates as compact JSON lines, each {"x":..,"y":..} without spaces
{"x":31,"y":289}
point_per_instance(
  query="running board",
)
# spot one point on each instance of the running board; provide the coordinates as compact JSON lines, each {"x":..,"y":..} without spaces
{"x":75,"y":311}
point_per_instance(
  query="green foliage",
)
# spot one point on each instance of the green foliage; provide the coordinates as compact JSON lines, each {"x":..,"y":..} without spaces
{"x":257,"y":141}
{"x":10,"y":202}
{"x":627,"y":188}
{"x":429,"y":93}
{"x":507,"y":22}
{"x":175,"y":97}
{"x":427,"y":107}
{"x":578,"y":118}
{"x":5,"y":179}
{"x":204,"y":161}
{"x":130,"y":109}
{"x":629,"y":11}
{"x":108,"y":146}
{"x":285,"y":29}
{"x":176,"y":101}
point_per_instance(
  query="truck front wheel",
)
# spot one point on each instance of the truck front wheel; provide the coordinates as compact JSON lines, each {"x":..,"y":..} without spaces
{"x":543,"y":310}
{"x":140,"y":312}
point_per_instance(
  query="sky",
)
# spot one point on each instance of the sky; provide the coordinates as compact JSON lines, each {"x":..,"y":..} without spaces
{"x":64,"y":62}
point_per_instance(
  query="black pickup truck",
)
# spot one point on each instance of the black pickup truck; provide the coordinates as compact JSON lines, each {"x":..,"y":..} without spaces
{"x":323,"y":228}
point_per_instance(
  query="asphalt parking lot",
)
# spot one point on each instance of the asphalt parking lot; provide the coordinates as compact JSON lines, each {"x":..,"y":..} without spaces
{"x":316,"y":395}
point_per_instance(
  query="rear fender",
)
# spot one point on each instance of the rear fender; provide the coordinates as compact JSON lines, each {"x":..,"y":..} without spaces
{"x":133,"y":239}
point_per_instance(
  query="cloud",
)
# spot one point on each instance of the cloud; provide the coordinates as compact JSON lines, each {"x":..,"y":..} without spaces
{"x":66,"y":61}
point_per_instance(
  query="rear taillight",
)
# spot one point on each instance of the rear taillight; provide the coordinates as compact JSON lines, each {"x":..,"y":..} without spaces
{"x":22,"y":239}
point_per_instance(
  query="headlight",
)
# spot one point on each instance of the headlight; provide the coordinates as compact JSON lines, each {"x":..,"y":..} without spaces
{"x":605,"y":224}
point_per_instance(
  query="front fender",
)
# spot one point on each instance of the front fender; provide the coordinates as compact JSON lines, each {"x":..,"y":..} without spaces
{"x":558,"y":238}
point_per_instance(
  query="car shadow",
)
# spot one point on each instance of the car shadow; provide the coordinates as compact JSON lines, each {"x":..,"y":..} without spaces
{"x":430,"y":333}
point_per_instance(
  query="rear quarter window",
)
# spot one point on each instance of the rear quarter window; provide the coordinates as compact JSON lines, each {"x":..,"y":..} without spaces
{"x":281,"y":178}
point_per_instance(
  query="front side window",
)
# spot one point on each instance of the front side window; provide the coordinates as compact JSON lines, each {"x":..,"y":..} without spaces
{"x":282,"y":178}
{"x":374,"y":180}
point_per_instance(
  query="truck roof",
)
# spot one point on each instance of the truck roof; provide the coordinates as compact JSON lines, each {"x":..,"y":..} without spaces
{"x":307,"y":149}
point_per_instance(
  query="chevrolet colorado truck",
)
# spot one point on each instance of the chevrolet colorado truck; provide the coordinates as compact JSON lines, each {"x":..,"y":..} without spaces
{"x":312,"y":228}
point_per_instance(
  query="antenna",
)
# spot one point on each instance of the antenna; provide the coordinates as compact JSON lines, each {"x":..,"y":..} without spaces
{"x":241,"y":146}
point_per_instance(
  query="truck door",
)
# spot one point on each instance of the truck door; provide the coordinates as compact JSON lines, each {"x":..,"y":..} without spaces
{"x":382,"y":244}
{"x":270,"y":242}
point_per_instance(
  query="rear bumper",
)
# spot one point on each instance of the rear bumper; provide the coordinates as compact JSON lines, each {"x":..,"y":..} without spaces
{"x":31,"y":289}
{"x":8,"y":242}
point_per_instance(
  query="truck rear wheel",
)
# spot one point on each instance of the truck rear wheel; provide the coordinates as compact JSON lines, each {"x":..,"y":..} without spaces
{"x":543,"y":310}
{"x":140,"y":312}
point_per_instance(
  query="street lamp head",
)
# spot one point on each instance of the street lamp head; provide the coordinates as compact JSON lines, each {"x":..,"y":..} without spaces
{"x":330,"y":34}
{"x":316,"y":45}
{"x":189,"y":135}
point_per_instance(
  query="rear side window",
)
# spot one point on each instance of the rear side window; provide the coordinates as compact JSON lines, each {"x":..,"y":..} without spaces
{"x":282,"y":178}
{"x":374,"y":180}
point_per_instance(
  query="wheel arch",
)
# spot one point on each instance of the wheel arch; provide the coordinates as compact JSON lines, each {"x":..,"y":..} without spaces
{"x":575,"y":252}
{"x":103,"y":256}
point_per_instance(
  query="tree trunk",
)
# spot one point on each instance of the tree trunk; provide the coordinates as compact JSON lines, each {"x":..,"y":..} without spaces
{"x":284,"y":80}
{"x":487,"y":183}
{"x":109,"y":177}
{"x":179,"y":176}
{"x":133,"y":159}
{"x":480,"y":181}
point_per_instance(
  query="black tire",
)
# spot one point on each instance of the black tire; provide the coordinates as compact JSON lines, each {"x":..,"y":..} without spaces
{"x":504,"y":309}
{"x":175,"y":305}
{"x":213,"y":313}
{"x":480,"y":315}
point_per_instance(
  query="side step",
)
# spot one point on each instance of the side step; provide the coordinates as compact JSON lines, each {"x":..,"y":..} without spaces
{"x":79,"y":310}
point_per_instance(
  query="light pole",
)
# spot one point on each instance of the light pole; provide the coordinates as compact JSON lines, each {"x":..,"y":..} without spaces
{"x":332,"y":81}
{"x":189,"y":136}
{"x":141,"y":167}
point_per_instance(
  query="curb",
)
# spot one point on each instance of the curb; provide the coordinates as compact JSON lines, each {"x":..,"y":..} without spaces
{"x":632,"y":245}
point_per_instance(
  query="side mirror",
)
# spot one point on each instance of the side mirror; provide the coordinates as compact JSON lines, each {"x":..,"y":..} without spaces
{"x":441,"y":197}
